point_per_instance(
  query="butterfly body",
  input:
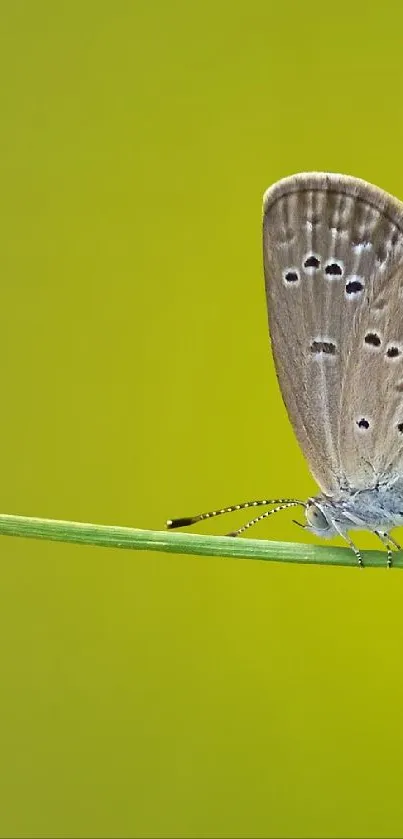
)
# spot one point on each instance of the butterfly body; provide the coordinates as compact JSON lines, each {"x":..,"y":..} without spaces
{"x":377,"y":509}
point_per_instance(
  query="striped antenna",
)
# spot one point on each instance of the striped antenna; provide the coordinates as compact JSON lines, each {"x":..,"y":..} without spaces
{"x":282,"y":502}
{"x":266,"y":515}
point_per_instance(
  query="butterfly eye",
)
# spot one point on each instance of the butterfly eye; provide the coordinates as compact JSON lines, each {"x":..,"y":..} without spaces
{"x":316,"y":518}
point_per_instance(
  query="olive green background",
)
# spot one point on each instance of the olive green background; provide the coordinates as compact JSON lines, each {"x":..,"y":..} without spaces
{"x":154,"y":695}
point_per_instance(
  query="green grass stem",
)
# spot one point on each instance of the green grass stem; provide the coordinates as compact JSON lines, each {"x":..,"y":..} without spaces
{"x":109,"y":536}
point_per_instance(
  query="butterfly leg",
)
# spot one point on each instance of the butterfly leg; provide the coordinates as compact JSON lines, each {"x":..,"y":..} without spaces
{"x":393,"y":542}
{"x":350,"y":542}
{"x":355,"y":549}
{"x":386,"y":542}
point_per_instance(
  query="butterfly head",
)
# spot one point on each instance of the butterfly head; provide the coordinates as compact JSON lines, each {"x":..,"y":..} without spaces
{"x":317,"y":520}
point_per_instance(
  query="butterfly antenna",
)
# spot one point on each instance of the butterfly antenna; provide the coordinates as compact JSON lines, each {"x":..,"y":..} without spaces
{"x":188,"y":520}
{"x":283,"y":506}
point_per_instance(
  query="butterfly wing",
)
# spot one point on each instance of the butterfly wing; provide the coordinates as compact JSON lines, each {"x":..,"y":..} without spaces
{"x":333,"y":260}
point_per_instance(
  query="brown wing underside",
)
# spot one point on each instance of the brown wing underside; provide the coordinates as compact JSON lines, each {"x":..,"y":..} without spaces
{"x":333,"y":258}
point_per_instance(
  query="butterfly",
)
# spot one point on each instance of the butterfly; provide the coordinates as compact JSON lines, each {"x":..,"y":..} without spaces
{"x":333,"y":267}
